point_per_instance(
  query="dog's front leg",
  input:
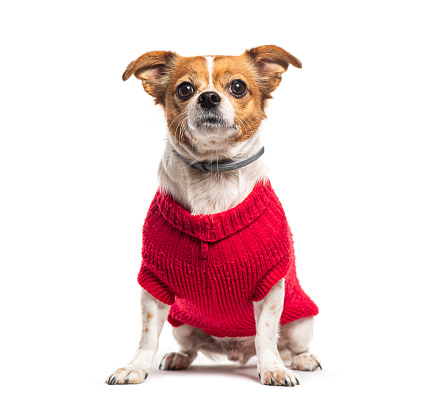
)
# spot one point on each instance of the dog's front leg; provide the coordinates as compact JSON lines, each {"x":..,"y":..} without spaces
{"x":154,"y":314}
{"x":271,"y":369}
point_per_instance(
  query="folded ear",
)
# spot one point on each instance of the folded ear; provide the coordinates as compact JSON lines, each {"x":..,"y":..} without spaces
{"x":271,"y":61}
{"x":153,"y":68}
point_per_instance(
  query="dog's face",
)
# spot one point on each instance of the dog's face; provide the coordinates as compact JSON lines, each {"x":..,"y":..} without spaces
{"x":212,"y":101}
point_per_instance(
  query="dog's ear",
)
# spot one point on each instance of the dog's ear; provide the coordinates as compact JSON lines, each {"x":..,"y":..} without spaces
{"x":153,"y":68}
{"x":270,"y":61}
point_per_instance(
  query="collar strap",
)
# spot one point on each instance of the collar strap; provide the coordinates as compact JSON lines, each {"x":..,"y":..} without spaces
{"x":223,"y":165}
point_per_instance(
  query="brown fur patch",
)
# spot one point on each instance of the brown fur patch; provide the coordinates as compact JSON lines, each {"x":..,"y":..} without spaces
{"x":195,"y":71}
{"x":249,"y":108}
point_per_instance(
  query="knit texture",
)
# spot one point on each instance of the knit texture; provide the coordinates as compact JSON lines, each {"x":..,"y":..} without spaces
{"x":211,"y":268}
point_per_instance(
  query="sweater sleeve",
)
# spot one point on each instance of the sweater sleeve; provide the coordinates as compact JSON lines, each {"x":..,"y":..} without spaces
{"x":277,"y":273}
{"x":155,"y":286}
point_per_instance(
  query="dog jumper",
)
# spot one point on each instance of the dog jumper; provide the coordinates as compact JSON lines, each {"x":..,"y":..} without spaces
{"x":211,"y":268}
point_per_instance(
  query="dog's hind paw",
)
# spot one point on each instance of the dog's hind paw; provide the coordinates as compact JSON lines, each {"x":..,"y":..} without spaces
{"x":305,"y":362}
{"x":127,"y":375}
{"x":175,"y":361}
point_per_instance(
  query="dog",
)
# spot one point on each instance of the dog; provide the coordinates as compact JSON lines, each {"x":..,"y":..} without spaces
{"x":218,"y":258}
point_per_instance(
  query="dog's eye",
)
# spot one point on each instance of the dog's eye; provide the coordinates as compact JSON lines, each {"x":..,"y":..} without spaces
{"x":238,"y":88}
{"x":185,"y":90}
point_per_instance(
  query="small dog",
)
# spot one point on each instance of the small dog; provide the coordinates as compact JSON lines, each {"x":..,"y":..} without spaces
{"x":218,"y":258}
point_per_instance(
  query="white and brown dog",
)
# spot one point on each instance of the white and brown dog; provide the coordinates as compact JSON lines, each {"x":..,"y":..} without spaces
{"x":214,"y":106}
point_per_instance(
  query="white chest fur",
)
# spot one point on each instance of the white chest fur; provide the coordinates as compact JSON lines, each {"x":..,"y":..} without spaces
{"x":213,"y":192}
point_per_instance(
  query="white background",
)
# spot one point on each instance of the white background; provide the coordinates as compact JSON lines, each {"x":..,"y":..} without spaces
{"x":78,"y":159}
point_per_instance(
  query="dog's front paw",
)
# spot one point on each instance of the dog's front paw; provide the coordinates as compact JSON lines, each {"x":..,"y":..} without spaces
{"x":127,"y":375}
{"x":276,"y":376}
{"x":305,"y":362}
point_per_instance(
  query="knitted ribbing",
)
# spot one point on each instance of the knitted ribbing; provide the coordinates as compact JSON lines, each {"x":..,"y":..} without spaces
{"x":211,"y":268}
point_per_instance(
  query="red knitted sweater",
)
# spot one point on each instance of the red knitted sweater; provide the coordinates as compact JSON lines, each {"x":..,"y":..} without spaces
{"x":211,"y":267}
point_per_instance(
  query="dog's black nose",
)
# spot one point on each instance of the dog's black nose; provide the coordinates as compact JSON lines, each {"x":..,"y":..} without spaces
{"x":208,"y":99}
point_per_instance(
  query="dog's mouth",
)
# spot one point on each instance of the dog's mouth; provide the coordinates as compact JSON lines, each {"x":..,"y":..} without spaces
{"x":211,"y":120}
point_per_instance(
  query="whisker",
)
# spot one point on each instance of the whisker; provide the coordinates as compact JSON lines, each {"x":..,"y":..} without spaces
{"x":245,"y":121}
{"x":180,"y":132}
{"x":242,"y":122}
{"x":181,"y":114}
{"x":166,"y":115}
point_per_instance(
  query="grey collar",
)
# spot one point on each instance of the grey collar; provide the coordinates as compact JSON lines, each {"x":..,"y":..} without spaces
{"x":224,"y":165}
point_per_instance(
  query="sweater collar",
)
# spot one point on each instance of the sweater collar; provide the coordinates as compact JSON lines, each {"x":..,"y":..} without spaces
{"x":214,"y":227}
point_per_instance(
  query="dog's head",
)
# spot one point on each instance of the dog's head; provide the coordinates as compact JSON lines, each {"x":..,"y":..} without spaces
{"x":212,"y":101}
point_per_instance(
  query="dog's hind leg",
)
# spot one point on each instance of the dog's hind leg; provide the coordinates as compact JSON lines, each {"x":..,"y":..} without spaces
{"x":189,"y":344}
{"x":295,"y":337}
